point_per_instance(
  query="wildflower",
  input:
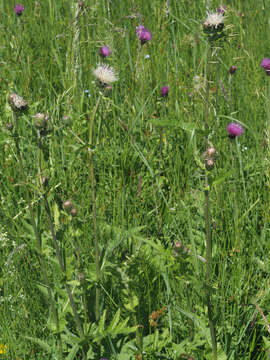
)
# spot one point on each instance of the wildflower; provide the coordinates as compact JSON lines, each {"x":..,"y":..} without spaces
{"x":147,"y":56}
{"x":105,"y":74}
{"x":143,"y":34}
{"x":232,"y":69}
{"x":234,"y":130}
{"x":104,"y":51}
{"x":164,"y":91}
{"x":266,"y":65}
{"x":221,"y":9}
{"x":3,"y":349}
{"x":214,"y":22}
{"x":19,"y":9}
{"x":17,"y":103}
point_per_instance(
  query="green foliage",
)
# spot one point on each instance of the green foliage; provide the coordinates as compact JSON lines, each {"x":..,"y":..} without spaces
{"x":60,"y":296}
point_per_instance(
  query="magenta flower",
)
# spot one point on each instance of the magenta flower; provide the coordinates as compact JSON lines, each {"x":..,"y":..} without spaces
{"x":266,"y":65}
{"x":221,"y":9}
{"x":143,"y":34}
{"x":232,"y":69}
{"x":19,"y":9}
{"x":164,"y":91}
{"x":104,"y":51}
{"x":234,"y":130}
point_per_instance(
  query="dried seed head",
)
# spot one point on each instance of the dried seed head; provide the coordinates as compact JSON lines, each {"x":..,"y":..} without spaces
{"x":17,"y":103}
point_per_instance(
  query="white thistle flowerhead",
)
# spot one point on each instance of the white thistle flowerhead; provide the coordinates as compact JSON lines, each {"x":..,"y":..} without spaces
{"x":214,"y":22}
{"x":105,"y":74}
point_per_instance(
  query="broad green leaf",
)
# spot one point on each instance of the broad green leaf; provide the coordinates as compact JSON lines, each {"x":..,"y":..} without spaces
{"x":114,"y":321}
{"x":73,"y":352}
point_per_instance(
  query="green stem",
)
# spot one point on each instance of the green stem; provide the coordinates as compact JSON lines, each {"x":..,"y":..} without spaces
{"x":208,"y":269}
{"x":62,"y":267}
{"x":94,"y":212}
{"x":235,"y":198}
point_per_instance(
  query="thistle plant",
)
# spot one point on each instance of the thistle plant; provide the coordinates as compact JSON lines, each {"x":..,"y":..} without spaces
{"x":209,"y":161}
{"x":19,"y":106}
{"x":105,"y":76}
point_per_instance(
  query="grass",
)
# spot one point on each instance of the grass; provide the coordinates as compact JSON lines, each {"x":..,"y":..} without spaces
{"x":130,"y":267}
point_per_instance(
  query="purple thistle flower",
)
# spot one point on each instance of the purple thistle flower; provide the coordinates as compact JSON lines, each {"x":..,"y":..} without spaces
{"x":232,"y":69}
{"x":234,"y":130}
{"x":19,"y":9}
{"x":104,"y":51}
{"x":143,"y":34}
{"x":103,"y":359}
{"x":221,"y":9}
{"x":164,"y":91}
{"x":266,"y":65}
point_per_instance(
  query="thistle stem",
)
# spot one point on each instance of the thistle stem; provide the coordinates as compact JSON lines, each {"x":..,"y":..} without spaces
{"x":58,"y":253}
{"x":35,"y":226}
{"x":208,"y":268}
{"x":94,"y":212}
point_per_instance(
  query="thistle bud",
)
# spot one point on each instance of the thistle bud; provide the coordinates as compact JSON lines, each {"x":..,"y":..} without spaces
{"x":211,"y":151}
{"x":41,"y":121}
{"x":67,"y":205}
{"x":45,"y":181}
{"x":209,"y":164}
{"x":9,"y":126}
{"x":74,"y":212}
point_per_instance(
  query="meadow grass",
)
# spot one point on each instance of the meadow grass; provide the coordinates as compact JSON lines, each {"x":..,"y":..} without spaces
{"x":125,"y":270}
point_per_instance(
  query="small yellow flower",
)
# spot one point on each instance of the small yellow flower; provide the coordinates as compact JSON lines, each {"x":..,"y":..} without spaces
{"x":3,"y":349}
